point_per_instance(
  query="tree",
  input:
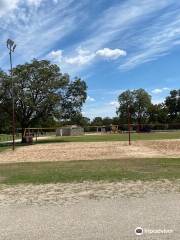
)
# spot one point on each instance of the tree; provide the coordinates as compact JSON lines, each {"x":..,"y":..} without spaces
{"x":138,"y":102}
{"x":97,"y":121}
{"x":125,"y":99}
{"x":73,"y":97}
{"x":78,"y":120}
{"x":40,"y":91}
{"x":141,"y":105}
{"x":107,"y":121}
{"x":173,"y":104}
{"x":115,"y":121}
{"x":158,"y":113}
{"x":84,"y":121}
{"x":5,"y":122}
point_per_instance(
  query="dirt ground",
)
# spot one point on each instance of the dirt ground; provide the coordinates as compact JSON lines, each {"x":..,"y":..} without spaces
{"x":92,"y":151}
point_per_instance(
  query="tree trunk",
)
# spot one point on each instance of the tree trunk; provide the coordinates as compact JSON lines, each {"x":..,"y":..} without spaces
{"x":23,"y":138}
{"x":139,"y":123}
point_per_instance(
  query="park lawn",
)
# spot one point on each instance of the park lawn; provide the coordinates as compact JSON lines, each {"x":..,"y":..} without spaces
{"x":113,"y":137}
{"x":7,"y":137}
{"x":96,"y":170}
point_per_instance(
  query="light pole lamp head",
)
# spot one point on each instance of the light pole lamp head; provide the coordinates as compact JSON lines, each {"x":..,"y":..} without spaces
{"x":14,"y":47}
{"x":11,"y":45}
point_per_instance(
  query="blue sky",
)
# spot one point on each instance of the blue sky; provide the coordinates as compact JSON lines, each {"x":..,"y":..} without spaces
{"x":113,"y":45}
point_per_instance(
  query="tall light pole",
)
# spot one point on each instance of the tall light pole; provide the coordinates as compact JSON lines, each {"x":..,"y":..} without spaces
{"x":11,"y":46}
{"x":129,"y":124}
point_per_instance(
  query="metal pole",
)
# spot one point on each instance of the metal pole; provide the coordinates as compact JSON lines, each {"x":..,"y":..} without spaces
{"x":13,"y":109}
{"x":129,"y":125}
{"x":11,"y":46}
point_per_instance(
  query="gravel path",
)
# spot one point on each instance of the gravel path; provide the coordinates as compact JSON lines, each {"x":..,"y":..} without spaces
{"x":103,"y":219}
{"x":90,"y":210}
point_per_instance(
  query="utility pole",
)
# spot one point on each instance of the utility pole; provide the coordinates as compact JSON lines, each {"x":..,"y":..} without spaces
{"x":11,"y":46}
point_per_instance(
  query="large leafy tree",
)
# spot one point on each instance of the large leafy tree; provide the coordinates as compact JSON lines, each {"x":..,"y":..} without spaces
{"x":5,"y":122}
{"x":97,"y":121}
{"x":41,"y":91}
{"x":173,"y":104}
{"x":158,"y":113}
{"x":107,"y":121}
{"x":73,"y":97}
{"x":141,"y":105}
{"x":125,"y":99}
{"x":138,"y":101}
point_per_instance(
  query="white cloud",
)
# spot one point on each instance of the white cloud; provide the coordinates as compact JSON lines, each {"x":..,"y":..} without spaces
{"x":8,"y":5}
{"x":114,"y":103}
{"x":157,"y":40}
{"x":110,"y":25}
{"x":56,"y":55}
{"x":80,"y":59}
{"x":111,"y":53}
{"x":36,"y":30}
{"x":166,"y":88}
{"x":90,"y":99}
{"x":143,"y":42}
{"x":157,"y":90}
{"x":160,"y":90}
{"x":157,"y":100}
{"x":36,"y":3}
{"x":85,"y":56}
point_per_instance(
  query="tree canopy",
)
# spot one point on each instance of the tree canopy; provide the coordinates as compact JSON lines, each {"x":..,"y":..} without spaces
{"x":172,"y":102}
{"x":138,"y":101}
{"x":41,"y":91}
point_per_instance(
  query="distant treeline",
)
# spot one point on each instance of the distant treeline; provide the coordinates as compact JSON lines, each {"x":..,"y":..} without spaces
{"x":165,"y":115}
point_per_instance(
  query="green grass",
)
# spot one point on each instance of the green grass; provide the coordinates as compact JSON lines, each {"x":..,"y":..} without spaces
{"x":5,"y":137}
{"x":78,"y":171}
{"x":114,"y":137}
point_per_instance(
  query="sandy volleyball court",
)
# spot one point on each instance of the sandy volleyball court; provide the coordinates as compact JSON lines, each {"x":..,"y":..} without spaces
{"x":92,"y":151}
